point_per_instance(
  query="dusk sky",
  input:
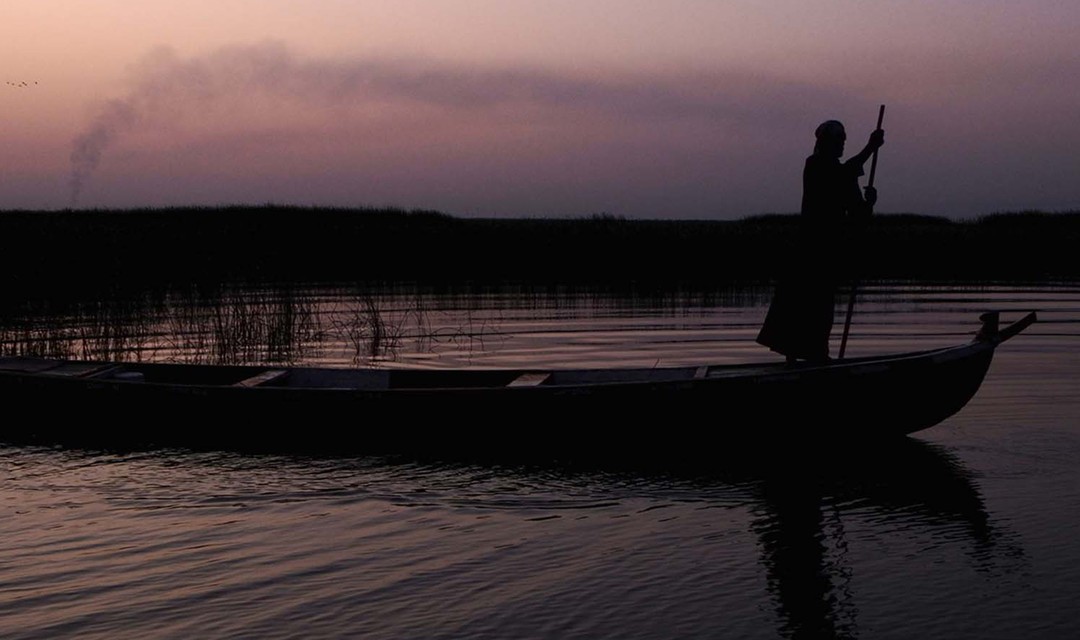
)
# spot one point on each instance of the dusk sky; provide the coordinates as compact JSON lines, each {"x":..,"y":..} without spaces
{"x":674,"y":109}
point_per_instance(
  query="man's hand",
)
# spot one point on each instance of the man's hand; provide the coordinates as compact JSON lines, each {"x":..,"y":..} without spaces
{"x":877,"y":138}
{"x":870,"y":194}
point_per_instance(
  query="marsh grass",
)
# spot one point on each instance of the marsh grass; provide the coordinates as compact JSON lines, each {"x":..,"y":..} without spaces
{"x":116,"y":332}
{"x":472,"y":335}
{"x":237,"y":324}
{"x":371,"y":332}
{"x":102,"y":330}
{"x":230,"y":326}
{"x":35,"y":340}
{"x":377,"y":326}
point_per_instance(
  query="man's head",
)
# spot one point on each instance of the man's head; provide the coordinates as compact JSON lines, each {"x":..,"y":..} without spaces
{"x":830,"y":137}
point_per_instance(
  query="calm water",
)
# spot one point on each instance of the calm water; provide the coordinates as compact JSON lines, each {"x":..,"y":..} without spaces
{"x":965,"y":531}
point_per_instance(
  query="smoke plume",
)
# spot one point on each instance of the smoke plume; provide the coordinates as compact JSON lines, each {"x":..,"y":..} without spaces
{"x":164,"y":83}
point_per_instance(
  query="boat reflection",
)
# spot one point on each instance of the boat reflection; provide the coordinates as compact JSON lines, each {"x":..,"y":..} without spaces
{"x":807,"y":509}
{"x":802,"y":503}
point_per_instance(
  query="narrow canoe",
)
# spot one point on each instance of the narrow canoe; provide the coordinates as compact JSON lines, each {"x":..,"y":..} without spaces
{"x":562,"y":412}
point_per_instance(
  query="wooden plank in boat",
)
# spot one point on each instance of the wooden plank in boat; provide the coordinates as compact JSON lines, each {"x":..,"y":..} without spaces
{"x":264,"y":377}
{"x":530,"y":379}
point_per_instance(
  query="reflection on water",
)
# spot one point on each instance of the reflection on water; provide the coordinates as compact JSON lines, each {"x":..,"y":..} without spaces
{"x":909,"y":486}
{"x":376,"y":546}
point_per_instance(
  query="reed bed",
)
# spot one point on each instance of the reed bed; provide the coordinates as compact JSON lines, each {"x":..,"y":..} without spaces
{"x":232,"y":285}
{"x":234,"y":325}
{"x":68,"y":254}
{"x":238,"y":325}
{"x":101,"y":330}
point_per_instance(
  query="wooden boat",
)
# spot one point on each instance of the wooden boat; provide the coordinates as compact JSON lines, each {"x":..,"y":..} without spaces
{"x":560,"y":412}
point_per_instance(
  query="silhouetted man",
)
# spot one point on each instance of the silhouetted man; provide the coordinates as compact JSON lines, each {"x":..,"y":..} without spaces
{"x":800,"y":317}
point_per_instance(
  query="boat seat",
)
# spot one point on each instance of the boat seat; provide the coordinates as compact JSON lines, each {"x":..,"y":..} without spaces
{"x":530,"y":379}
{"x":261,"y":378}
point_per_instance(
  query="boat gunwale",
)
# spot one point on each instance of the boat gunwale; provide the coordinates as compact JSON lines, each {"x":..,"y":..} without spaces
{"x":725,"y":372}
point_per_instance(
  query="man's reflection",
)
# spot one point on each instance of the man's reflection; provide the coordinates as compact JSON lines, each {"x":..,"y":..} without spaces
{"x":800,"y":504}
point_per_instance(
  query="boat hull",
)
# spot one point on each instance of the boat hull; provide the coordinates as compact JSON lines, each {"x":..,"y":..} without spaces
{"x":674,"y":413}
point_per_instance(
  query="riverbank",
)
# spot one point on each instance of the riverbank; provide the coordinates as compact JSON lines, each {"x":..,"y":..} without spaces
{"x":89,"y":250}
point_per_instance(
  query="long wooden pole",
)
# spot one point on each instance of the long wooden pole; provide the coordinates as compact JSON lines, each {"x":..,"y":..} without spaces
{"x":854,"y":281}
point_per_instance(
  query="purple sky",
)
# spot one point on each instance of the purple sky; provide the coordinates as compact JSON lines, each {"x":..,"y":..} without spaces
{"x":681,"y":109}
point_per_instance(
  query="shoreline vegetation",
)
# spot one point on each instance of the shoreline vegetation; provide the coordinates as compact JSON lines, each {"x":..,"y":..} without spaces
{"x":92,"y":252}
{"x":235,"y":285}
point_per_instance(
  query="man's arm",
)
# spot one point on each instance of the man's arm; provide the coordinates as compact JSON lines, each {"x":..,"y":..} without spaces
{"x":877,"y":138}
